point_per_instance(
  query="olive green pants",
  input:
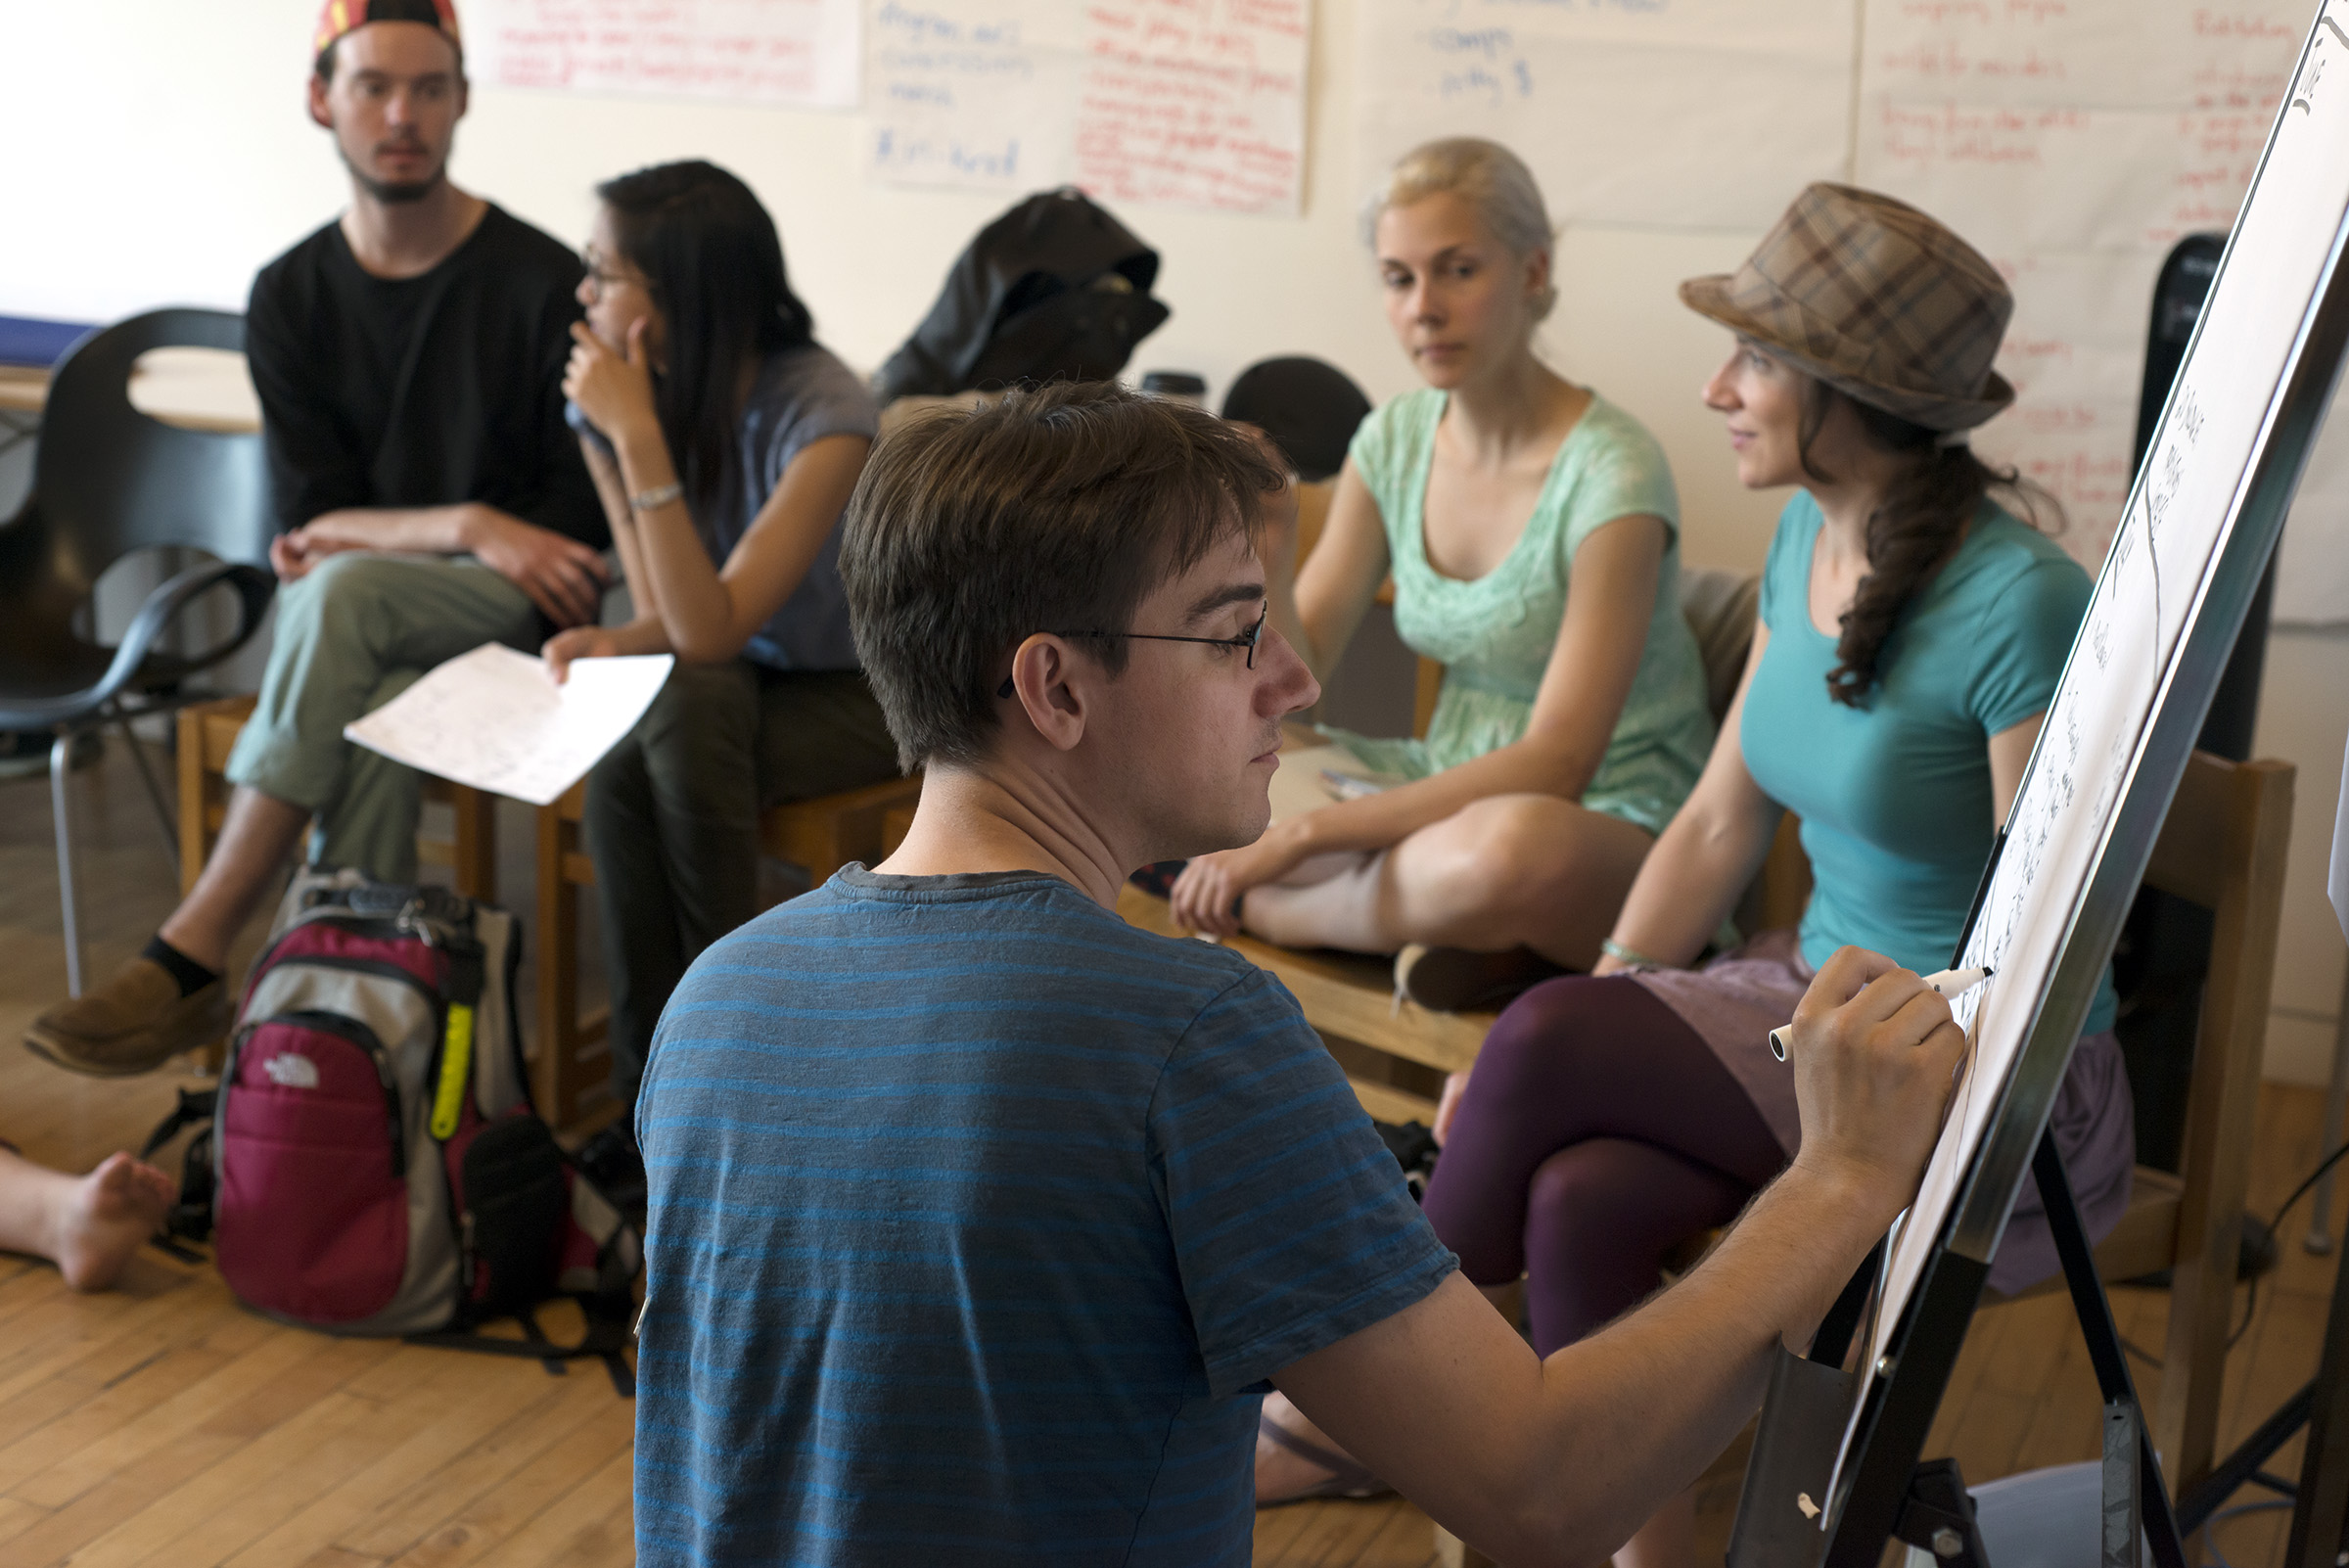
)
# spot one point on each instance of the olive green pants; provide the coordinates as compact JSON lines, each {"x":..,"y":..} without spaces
{"x":673,"y":818}
{"x":353,"y":633}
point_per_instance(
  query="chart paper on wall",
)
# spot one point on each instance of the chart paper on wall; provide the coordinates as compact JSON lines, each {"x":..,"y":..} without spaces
{"x":1680,"y":113}
{"x":1198,"y":104}
{"x":793,"y":52}
{"x":2184,"y":504}
{"x":2073,"y":145}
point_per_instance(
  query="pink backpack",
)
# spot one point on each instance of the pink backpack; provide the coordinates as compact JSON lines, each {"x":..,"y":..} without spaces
{"x":375,"y":1165}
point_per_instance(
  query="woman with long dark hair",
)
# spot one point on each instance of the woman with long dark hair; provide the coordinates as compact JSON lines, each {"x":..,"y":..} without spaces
{"x":725,"y":442}
{"x":1913,"y":632}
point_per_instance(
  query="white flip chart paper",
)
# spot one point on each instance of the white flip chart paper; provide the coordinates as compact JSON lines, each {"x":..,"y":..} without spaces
{"x":2155,"y":575}
{"x":1680,"y":114}
{"x":1199,"y":104}
{"x":495,"y":719}
{"x":2074,"y":145}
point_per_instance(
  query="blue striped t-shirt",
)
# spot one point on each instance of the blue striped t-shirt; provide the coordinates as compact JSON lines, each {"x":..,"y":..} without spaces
{"x":977,"y":1218}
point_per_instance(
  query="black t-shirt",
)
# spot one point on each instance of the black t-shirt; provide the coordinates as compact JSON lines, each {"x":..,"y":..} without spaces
{"x":425,"y":390}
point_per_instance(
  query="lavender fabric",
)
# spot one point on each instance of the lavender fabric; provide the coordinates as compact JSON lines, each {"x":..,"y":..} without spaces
{"x":1734,"y":1001}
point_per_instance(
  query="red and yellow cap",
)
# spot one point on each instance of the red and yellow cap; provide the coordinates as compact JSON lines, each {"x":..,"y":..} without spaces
{"x":340,"y":17}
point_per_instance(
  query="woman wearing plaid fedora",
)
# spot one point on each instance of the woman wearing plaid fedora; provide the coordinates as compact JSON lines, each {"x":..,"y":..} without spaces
{"x":1530,"y":527}
{"x":1912,"y":633}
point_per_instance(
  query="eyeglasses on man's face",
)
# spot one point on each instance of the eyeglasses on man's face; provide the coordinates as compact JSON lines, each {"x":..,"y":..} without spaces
{"x":1246,"y":640}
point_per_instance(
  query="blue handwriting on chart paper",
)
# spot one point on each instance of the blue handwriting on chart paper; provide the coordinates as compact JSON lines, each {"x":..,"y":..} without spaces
{"x":895,"y":152}
{"x":1486,"y":64}
{"x":933,"y":27}
{"x":1496,"y":72}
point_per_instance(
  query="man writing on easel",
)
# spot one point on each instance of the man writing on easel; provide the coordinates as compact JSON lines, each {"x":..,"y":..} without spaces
{"x":981,"y":1218}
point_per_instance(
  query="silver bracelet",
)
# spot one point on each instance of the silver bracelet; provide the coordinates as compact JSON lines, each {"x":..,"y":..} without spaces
{"x":1630,"y":955}
{"x":654,"y":499}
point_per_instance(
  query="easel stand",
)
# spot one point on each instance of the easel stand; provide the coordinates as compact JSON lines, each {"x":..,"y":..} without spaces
{"x":1803,"y":1422}
{"x":2320,"y":1537}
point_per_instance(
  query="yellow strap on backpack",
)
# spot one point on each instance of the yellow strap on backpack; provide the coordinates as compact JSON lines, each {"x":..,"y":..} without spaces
{"x":456,"y":1063}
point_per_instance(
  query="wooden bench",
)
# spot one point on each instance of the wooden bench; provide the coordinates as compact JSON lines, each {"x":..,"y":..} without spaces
{"x":573,"y":1060}
{"x":1397,"y":1053}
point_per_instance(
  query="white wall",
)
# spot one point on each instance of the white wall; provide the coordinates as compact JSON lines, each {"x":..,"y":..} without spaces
{"x":164,"y":153}
{"x":161,"y":153}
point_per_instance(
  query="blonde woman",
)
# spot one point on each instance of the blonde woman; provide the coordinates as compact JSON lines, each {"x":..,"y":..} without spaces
{"x":1530,"y":527}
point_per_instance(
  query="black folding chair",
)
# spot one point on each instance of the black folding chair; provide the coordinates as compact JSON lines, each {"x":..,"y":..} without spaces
{"x":1310,"y":408}
{"x":109,"y":480}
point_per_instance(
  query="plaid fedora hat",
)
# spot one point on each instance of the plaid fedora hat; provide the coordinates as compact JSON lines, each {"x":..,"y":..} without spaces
{"x":1876,"y":300}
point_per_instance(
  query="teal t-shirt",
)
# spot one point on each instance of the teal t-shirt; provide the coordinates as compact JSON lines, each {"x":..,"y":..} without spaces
{"x":1495,"y":634}
{"x":1894,"y":797}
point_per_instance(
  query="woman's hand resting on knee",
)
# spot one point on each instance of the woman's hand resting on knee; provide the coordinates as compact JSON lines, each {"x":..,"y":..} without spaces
{"x":1207,"y":895}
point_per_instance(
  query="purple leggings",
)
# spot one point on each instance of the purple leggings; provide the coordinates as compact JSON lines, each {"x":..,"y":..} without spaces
{"x":1599,"y":1132}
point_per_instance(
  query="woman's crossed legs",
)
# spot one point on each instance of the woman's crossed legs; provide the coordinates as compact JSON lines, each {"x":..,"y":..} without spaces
{"x":1597,"y":1134}
{"x":1510,"y":870}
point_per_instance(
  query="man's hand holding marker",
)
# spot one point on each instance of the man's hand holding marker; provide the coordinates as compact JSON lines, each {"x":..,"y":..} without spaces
{"x":1878,"y":1059}
{"x":1949,"y":985}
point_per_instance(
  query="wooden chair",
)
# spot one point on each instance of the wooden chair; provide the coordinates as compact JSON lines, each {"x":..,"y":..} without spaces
{"x":2224,"y":847}
{"x":821,"y":834}
{"x":209,"y":731}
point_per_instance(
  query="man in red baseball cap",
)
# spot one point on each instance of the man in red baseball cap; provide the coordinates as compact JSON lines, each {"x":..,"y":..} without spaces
{"x":405,"y":158}
{"x":409,"y":359}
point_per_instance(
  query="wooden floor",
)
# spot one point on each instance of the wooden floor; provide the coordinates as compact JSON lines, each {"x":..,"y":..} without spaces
{"x":164,"y":1424}
{"x":2023,"y":1394}
{"x":161,"y":1424}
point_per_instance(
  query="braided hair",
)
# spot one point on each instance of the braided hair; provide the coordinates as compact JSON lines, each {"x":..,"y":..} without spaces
{"x":1915,"y":529}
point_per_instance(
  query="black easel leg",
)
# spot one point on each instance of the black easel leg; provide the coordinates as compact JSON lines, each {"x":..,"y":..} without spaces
{"x":1939,"y":1518}
{"x":2104,"y":1354}
{"x":2320,"y":1510}
{"x":2124,"y":1479}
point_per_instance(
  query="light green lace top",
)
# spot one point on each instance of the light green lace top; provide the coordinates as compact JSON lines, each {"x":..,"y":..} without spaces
{"x":1495,"y":634}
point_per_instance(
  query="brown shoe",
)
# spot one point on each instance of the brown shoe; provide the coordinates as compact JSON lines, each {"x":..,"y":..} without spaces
{"x":134,"y":1023}
{"x":1454,"y":980}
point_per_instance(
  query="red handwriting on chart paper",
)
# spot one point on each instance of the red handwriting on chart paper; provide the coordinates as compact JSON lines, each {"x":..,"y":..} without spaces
{"x":1197,"y":101}
{"x":664,"y":46}
{"x":1954,"y":132}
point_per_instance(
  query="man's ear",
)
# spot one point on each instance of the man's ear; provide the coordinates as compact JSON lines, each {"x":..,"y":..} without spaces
{"x":464,"y":92}
{"x":1052,"y":702}
{"x":318,"y":109}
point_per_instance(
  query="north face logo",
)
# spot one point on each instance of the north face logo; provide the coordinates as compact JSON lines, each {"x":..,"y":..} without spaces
{"x":290,"y":1071}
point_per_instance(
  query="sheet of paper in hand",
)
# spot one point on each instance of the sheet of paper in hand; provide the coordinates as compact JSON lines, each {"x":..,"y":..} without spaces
{"x":495,"y":719}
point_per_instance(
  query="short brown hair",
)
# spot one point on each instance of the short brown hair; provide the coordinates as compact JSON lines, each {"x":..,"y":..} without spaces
{"x":1057,"y":509}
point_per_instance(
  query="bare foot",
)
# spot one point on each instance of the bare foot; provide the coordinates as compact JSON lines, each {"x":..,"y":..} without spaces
{"x":108,"y":1216}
